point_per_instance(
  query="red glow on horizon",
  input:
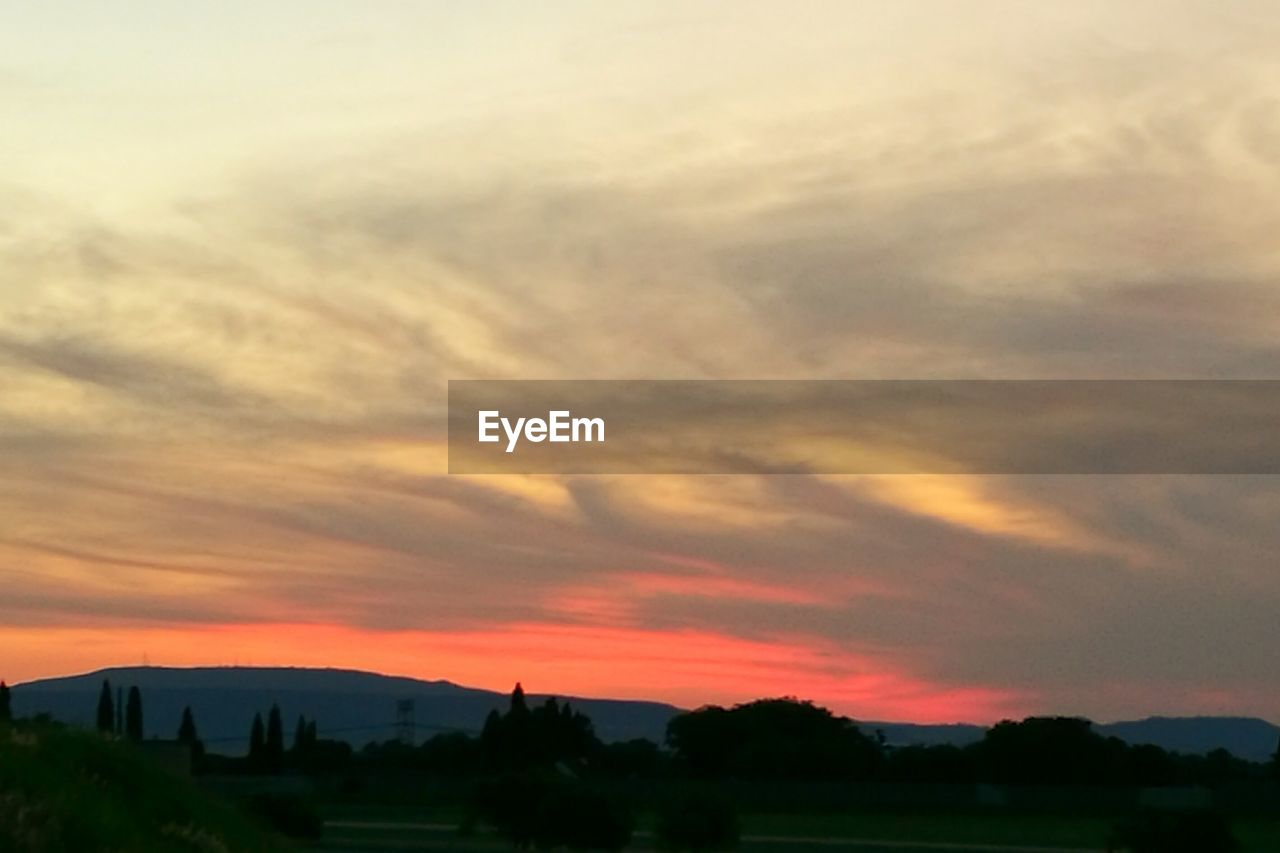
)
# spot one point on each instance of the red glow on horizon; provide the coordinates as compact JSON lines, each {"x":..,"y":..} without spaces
{"x":685,"y":668}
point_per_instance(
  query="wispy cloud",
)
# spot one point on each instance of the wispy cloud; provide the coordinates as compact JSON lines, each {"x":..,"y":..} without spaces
{"x":224,"y":344}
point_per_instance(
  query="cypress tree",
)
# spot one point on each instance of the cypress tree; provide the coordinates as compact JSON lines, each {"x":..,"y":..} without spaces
{"x":187,"y":728}
{"x":256,"y":741}
{"x":518,"y":731}
{"x":106,"y":709}
{"x":274,"y":752}
{"x":188,"y":735}
{"x":519,"y":707}
{"x":133,"y":715}
{"x":300,"y":736}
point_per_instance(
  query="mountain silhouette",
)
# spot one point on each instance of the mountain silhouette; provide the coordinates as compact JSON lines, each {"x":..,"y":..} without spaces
{"x":349,"y":705}
{"x":1244,"y":737}
{"x":359,"y":707}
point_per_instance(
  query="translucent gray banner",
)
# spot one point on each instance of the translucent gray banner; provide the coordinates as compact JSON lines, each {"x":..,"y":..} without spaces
{"x":864,"y":427}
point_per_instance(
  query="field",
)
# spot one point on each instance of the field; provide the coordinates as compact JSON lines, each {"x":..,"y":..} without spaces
{"x":371,"y":828}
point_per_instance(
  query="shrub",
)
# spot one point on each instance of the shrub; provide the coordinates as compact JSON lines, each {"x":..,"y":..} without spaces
{"x":287,"y":814}
{"x":698,"y":822}
{"x":1177,"y":832}
{"x":582,"y":819}
{"x":542,"y":810}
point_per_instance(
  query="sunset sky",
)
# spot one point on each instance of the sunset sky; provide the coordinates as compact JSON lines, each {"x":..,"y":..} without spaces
{"x":243,"y":246}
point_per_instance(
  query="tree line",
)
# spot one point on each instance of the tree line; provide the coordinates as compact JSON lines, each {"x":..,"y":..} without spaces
{"x":786,"y":739}
{"x":774,"y":739}
{"x":782,"y":739}
{"x":541,"y":776}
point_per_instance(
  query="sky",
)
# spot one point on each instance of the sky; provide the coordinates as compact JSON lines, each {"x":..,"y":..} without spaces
{"x":244,"y":246}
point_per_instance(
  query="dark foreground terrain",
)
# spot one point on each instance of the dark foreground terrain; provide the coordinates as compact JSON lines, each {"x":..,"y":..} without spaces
{"x":67,"y":791}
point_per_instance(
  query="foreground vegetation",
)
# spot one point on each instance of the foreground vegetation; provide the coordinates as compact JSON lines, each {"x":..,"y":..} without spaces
{"x":80,"y":792}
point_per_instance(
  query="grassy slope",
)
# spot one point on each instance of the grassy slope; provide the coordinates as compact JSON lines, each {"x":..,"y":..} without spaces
{"x":64,"y":790}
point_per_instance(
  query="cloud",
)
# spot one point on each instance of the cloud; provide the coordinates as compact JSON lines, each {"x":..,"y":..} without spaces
{"x":222,"y":406}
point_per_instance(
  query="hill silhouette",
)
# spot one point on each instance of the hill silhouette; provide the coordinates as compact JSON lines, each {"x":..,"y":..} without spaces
{"x":359,"y":707}
{"x":350,"y":705}
{"x":1244,"y":737}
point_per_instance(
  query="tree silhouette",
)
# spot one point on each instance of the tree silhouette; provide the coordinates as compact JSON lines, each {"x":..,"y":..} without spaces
{"x":6,"y":708}
{"x":775,"y":739}
{"x":133,"y":714}
{"x":187,"y":733}
{"x":187,"y":728}
{"x":1049,"y":751}
{"x":524,"y":738}
{"x":492,"y":723}
{"x":106,"y":709}
{"x":518,"y":704}
{"x":300,"y":735}
{"x":273,"y":752}
{"x":257,"y":740}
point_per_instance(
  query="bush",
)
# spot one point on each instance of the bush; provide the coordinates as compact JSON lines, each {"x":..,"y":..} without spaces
{"x":697,"y":823}
{"x":582,"y":819}
{"x":545,"y":811}
{"x":287,"y":814}
{"x":510,"y":805}
{"x":1179,"y":832}
{"x":28,"y":826}
{"x":67,"y":791}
